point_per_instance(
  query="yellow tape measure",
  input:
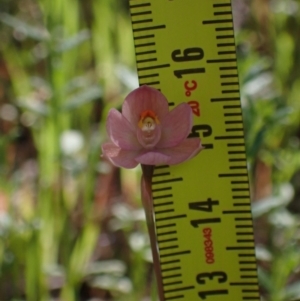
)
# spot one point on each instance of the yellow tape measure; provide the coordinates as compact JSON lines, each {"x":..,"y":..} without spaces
{"x":186,"y":49}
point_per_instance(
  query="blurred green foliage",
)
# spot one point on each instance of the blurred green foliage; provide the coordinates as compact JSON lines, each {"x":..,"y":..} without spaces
{"x":268,"y":56}
{"x":71,"y":225}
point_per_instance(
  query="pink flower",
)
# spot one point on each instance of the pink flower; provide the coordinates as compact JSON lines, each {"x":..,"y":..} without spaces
{"x":147,"y":133}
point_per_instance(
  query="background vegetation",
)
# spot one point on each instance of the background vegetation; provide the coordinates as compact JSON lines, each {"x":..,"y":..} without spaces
{"x":71,"y":225}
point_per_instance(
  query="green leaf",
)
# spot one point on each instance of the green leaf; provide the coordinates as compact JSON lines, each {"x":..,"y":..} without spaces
{"x":81,"y":98}
{"x":264,"y":279}
{"x":36,"y":33}
{"x":266,"y":205}
{"x":292,"y":292}
{"x":34,"y":107}
{"x":74,"y":41}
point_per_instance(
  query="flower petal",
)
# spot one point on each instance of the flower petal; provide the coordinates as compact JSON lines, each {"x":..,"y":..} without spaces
{"x":153,"y":158}
{"x":176,"y":126}
{"x":120,"y":157}
{"x":121,"y":132}
{"x":186,"y":150}
{"x":142,"y":99}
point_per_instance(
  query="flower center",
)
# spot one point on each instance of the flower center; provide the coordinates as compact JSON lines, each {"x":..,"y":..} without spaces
{"x":148,"y":121}
{"x":149,"y":131}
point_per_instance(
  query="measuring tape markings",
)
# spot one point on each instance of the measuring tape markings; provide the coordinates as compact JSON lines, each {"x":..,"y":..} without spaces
{"x":172,"y":216}
{"x":143,"y":39}
{"x":234,"y":152}
{"x":234,"y":167}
